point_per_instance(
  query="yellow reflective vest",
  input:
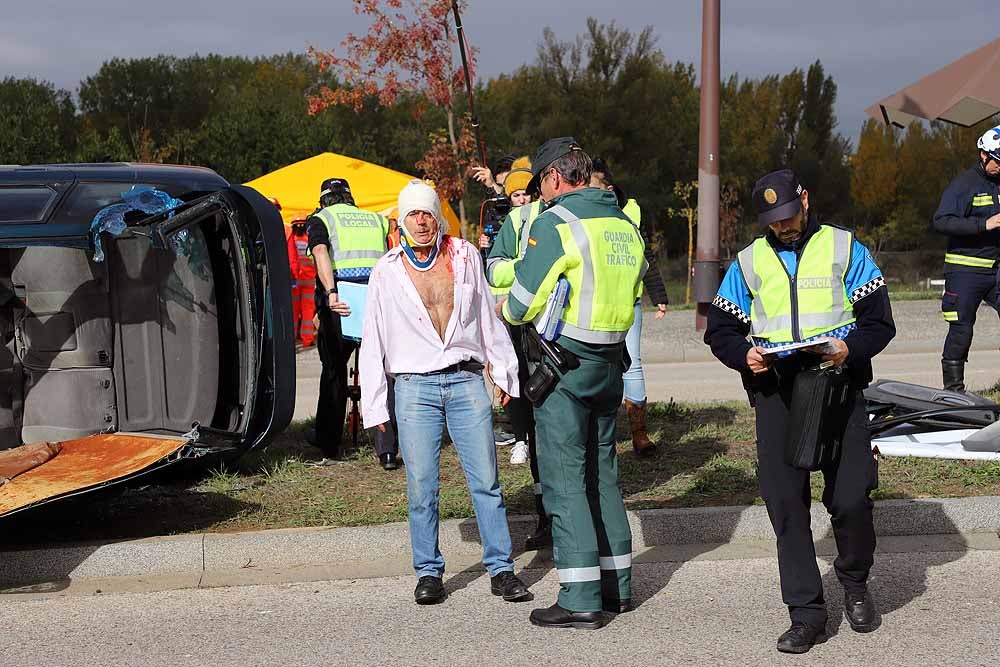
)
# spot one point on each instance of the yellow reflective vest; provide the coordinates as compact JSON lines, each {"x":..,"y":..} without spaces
{"x":357,"y":237}
{"x":604,"y":265}
{"x":811,"y":301}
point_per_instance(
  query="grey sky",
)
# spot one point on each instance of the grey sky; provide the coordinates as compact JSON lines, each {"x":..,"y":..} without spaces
{"x":871,"y":48}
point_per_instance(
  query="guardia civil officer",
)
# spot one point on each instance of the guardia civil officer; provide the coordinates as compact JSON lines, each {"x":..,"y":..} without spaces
{"x":969,"y":214}
{"x":346,"y":242}
{"x":583,"y":236}
{"x":799,"y":280}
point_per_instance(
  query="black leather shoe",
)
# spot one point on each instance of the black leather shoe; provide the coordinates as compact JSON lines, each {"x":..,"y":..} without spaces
{"x":429,"y":590}
{"x":388,"y":461}
{"x":510,"y":587}
{"x":859,"y":608}
{"x":542,"y":539}
{"x":557,"y":617}
{"x":799,"y":638}
{"x":618,"y":606}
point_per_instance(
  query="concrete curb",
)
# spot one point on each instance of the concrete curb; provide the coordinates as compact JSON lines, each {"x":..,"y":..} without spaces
{"x":310,"y":547}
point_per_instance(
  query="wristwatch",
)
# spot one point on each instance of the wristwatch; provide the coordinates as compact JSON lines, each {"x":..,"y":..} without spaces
{"x":331,"y":291}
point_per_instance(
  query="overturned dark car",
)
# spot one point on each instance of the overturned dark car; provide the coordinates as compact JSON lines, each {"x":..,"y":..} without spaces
{"x":145,"y":322}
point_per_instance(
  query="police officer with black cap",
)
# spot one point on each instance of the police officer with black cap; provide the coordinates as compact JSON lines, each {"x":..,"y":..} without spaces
{"x":802,"y":280}
{"x":345,"y":242}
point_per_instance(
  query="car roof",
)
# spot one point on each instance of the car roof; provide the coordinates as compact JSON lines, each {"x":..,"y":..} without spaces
{"x":194,"y":178}
{"x":79,"y":191}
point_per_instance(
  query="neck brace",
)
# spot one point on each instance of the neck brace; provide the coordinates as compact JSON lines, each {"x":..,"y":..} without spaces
{"x":407,"y":244}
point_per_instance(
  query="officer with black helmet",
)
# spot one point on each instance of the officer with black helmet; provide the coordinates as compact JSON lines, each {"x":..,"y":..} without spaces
{"x":801,"y":280}
{"x":346,"y":242}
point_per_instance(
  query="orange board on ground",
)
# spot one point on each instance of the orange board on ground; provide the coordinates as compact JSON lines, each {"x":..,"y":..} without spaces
{"x":85,"y":463}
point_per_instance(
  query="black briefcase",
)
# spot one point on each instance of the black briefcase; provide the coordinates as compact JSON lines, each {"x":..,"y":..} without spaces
{"x":817,"y":417}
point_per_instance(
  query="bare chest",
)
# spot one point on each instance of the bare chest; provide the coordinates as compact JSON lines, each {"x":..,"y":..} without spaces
{"x":436,"y":288}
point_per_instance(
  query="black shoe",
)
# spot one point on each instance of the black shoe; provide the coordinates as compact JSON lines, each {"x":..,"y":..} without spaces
{"x":799,"y":638}
{"x":510,"y":587}
{"x":557,"y":617}
{"x":859,"y":608}
{"x":388,"y":461}
{"x":618,"y":606}
{"x":429,"y":590}
{"x":542,"y":539}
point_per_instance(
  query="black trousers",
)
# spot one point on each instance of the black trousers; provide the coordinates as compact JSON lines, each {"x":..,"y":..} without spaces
{"x":963,"y":292}
{"x":785,"y":489}
{"x":522,"y":414}
{"x":388,"y":442}
{"x":331,"y":410}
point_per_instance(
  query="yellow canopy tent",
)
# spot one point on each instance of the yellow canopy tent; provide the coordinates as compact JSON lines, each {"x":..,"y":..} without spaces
{"x":375,"y":188}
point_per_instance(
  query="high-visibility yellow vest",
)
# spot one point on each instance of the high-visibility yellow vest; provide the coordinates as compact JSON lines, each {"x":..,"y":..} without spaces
{"x":501,"y":269}
{"x":523,"y":217}
{"x":634,"y":213}
{"x":812,"y":301}
{"x":357,"y":238}
{"x":605,"y":264}
{"x":632,"y":210}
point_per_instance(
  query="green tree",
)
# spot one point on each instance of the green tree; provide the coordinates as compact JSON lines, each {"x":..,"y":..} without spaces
{"x":157,"y":104}
{"x":875,"y":180}
{"x":36,"y":122}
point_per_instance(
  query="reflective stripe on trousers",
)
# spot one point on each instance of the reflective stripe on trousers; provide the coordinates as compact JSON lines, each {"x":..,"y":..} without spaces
{"x":968,"y":260}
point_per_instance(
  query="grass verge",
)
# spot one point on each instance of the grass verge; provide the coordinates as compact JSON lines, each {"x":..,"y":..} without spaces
{"x":706,"y":458}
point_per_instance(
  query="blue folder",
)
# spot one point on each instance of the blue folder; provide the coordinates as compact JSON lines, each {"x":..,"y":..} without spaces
{"x":354,"y":295}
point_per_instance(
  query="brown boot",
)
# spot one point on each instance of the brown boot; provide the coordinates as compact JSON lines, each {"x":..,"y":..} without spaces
{"x":641,"y":444}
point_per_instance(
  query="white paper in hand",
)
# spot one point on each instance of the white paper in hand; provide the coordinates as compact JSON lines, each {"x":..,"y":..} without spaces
{"x":821,"y":345}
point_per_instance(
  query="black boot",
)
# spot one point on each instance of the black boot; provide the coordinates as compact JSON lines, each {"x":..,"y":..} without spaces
{"x":429,"y":590}
{"x":800,"y":638}
{"x":859,"y":608}
{"x":542,"y":539}
{"x":510,"y":587}
{"x":953,"y":373}
{"x":557,"y":617}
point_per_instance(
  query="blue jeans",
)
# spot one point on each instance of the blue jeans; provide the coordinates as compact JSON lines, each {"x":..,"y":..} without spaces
{"x":635,"y":383}
{"x":425,"y":404}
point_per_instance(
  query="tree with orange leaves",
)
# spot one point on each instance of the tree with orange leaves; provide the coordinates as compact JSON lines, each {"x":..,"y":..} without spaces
{"x":407,"y":49}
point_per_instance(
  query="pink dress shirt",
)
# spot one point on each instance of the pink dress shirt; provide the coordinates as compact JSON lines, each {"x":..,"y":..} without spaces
{"x":398,"y":337}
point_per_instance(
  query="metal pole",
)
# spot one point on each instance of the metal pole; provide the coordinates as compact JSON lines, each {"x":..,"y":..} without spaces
{"x":706,"y":264}
{"x":468,"y":82}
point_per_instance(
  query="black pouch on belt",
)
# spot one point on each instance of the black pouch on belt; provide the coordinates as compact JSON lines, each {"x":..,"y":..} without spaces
{"x":540,"y":383}
{"x":816,"y":417}
{"x":544,"y":357}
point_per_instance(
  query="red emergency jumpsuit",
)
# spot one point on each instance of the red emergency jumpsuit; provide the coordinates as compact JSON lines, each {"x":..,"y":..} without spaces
{"x":303,"y":286}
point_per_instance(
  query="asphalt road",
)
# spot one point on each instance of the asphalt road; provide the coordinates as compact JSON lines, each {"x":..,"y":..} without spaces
{"x":679,"y":365}
{"x":940,"y":606}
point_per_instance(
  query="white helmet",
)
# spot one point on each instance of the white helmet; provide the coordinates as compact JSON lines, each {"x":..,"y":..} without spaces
{"x":989,"y":143}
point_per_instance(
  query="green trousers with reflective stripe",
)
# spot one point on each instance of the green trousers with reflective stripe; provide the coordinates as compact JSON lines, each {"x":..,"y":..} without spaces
{"x":578,"y":466}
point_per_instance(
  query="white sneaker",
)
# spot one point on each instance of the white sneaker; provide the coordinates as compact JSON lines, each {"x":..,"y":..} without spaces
{"x":519,"y":452}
